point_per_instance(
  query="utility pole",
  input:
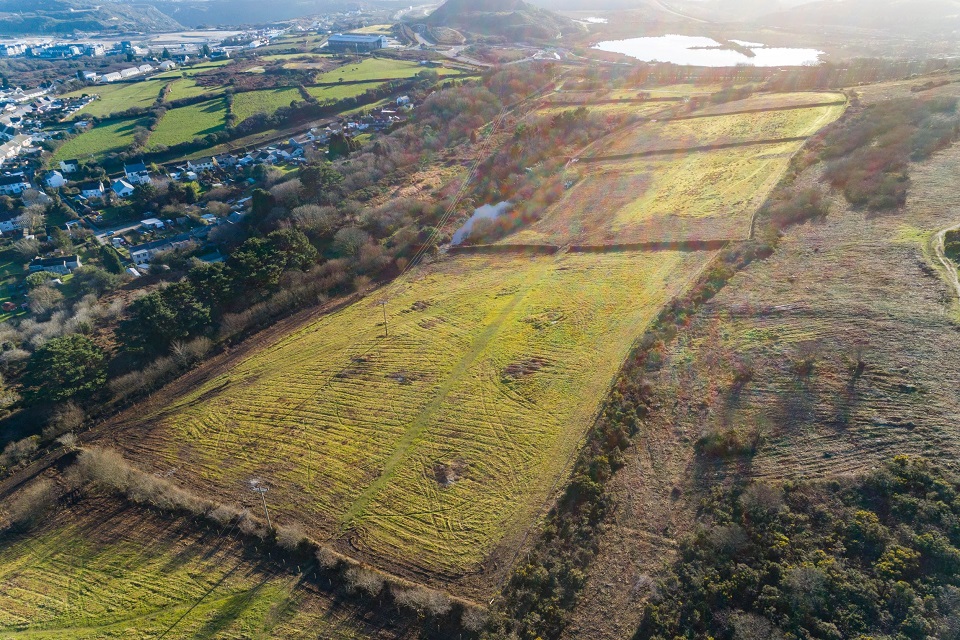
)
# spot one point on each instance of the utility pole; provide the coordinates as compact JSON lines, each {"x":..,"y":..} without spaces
{"x":386,"y":331}
{"x":258,"y":488}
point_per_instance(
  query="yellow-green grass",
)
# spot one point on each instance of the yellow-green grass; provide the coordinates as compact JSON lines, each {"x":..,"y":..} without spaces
{"x":115,"y":98}
{"x":721,"y":129}
{"x":250,"y":103}
{"x":378,"y":29}
{"x":188,"y":88}
{"x":777,"y":101}
{"x":377,"y":69}
{"x":104,"y":571}
{"x":629,"y":109}
{"x":109,"y":137}
{"x":697,"y":196}
{"x":203,"y":67}
{"x":341,"y":92}
{"x":493,"y":369}
{"x":183,"y":124}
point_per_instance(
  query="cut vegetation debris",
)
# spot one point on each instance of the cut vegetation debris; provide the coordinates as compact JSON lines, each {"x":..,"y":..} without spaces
{"x":106,"y":138}
{"x":186,"y":123}
{"x":494,"y":367}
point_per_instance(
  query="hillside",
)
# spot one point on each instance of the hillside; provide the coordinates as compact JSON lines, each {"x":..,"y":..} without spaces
{"x":513,"y":19}
{"x":69,"y":16}
{"x":896,"y":17}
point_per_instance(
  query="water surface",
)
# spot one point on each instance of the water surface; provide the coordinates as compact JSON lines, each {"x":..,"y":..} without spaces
{"x":705,"y":52}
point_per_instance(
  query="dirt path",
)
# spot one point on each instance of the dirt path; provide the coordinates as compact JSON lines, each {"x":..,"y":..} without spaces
{"x":951,"y":269}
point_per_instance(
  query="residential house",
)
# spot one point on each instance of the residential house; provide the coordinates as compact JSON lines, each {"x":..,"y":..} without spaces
{"x":90,"y":76}
{"x":92,"y":190}
{"x":152,"y":223}
{"x":54,"y":180}
{"x":69,"y":166}
{"x":219,"y":54}
{"x":11,"y":224}
{"x":14,"y":185}
{"x":137,"y":173}
{"x":226,"y":160}
{"x":62,"y":264}
{"x":208,"y":163}
{"x":122,"y":188}
{"x":402,"y":100}
{"x":143,"y":253}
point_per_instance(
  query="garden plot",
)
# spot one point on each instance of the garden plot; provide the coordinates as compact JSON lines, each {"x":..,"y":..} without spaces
{"x":428,"y":449}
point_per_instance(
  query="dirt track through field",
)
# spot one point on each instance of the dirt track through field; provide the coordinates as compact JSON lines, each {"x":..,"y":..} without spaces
{"x":949,"y":267}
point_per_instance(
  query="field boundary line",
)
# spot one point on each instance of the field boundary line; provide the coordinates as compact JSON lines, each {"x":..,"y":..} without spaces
{"x":792,"y":107}
{"x":683,"y":150}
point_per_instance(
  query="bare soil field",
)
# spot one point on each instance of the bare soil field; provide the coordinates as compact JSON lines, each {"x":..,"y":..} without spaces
{"x":848,"y":333}
{"x":429,"y":450}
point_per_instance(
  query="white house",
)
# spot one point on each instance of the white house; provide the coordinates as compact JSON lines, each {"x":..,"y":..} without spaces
{"x":92,"y":190}
{"x":168,"y":65}
{"x":11,"y":224}
{"x":69,"y":166}
{"x":14,"y":185}
{"x":137,"y":173}
{"x":54,"y":180}
{"x":111,"y":77}
{"x":62,"y":265}
{"x":202,"y":164}
{"x":122,"y":188}
{"x":152,"y":223}
{"x":402,"y":100}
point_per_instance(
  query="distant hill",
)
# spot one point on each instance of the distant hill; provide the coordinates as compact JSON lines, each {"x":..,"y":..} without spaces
{"x":513,"y":19}
{"x":67,"y":16}
{"x":901,"y":17}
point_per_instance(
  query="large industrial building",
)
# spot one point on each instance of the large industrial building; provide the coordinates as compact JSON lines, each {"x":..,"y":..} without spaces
{"x":356,"y":42}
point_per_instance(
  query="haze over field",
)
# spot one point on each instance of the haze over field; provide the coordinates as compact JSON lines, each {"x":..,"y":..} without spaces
{"x":479,"y":320}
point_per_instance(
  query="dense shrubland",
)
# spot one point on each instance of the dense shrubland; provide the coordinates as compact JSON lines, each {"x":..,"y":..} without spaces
{"x":874,"y":557}
{"x":868,"y":154}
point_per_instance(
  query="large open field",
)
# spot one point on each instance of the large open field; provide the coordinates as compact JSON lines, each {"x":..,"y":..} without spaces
{"x":341,"y":92}
{"x":677,"y":197}
{"x":109,"y":137}
{"x":188,"y":88}
{"x":433,"y":447}
{"x":267,"y":101}
{"x":722,"y":129}
{"x":115,"y":98}
{"x":102,"y":570}
{"x":377,"y":69}
{"x":186,"y":123}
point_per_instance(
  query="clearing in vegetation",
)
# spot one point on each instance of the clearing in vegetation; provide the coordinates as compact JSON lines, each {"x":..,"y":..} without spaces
{"x":115,"y":98}
{"x":186,"y":123}
{"x":250,"y":103}
{"x":100,"y":569}
{"x":433,"y":447}
{"x":106,"y":138}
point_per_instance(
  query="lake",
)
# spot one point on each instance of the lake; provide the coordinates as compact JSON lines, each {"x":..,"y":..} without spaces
{"x":691,"y":51}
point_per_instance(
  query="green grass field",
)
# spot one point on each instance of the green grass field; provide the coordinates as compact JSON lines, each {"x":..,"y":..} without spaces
{"x":197,"y":69}
{"x":430,"y":447}
{"x":186,"y":123}
{"x":109,"y":137}
{"x":188,"y":88}
{"x":266,"y":101}
{"x":377,"y":69}
{"x":99,"y":570}
{"x":115,"y":98}
{"x":341,"y":92}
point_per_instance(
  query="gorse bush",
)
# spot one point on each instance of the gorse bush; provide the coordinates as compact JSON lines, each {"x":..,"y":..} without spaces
{"x":875,"y":557}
